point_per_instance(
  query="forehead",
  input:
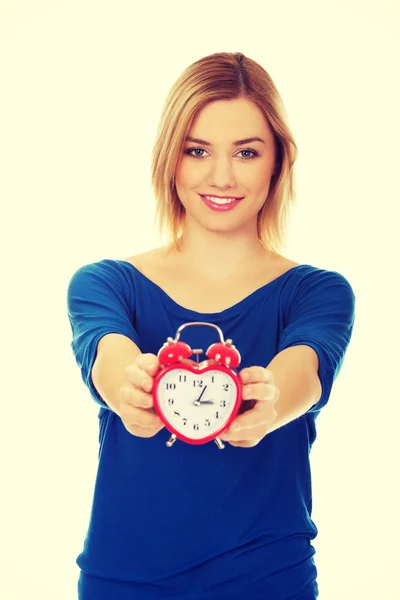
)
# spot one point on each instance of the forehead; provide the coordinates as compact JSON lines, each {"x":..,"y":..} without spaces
{"x":236,"y":119}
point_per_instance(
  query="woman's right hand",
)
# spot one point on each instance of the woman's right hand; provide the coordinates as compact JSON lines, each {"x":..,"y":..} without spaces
{"x":136,"y":400}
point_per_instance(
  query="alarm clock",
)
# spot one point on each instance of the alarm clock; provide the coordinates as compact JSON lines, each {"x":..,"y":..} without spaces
{"x":196,"y":401}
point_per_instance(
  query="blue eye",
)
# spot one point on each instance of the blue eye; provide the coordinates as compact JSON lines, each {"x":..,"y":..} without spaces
{"x":190,"y":150}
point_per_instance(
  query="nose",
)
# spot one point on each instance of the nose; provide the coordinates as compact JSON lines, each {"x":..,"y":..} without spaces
{"x":221,"y":173}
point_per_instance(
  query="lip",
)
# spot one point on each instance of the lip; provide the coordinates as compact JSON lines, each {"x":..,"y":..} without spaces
{"x":220,"y":207}
{"x":223,"y":197}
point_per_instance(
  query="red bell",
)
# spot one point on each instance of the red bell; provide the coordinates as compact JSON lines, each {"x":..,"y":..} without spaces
{"x":225,"y":354}
{"x":172,"y":352}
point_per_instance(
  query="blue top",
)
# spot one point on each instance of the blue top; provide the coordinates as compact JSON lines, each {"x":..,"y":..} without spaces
{"x":193,"y":521}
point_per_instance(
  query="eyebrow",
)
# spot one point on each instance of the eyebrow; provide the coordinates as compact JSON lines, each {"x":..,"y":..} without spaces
{"x":237,"y":143}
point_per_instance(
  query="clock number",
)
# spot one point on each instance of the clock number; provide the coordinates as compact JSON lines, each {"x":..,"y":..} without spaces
{"x":182,"y":376}
{"x":176,"y":413}
{"x":196,"y":426}
{"x":217,"y":415}
{"x":222,"y":403}
{"x":184,"y":420}
{"x":226,"y":387}
{"x":198,"y":383}
{"x":170,"y":401}
{"x":170,"y":386}
{"x":208,"y":423}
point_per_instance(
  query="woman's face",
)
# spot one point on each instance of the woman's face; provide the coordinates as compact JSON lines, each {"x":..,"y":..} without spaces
{"x":224,"y":168}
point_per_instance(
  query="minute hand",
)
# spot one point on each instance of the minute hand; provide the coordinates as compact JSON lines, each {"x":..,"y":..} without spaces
{"x":198,"y":401}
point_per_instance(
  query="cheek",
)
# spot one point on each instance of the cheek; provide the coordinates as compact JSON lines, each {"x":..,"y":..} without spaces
{"x":260,"y":178}
{"x":185,"y":175}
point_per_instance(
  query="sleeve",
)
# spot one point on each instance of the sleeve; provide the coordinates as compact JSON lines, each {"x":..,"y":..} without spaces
{"x":99,"y":301}
{"x":321,"y":315}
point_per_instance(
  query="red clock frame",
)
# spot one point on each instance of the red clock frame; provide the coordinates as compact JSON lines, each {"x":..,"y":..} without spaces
{"x":196,"y":369}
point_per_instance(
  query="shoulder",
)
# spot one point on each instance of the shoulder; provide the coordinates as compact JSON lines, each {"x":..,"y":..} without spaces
{"x":114,"y":273}
{"x":312,"y":288}
{"x":308,"y":274}
{"x":321,"y":280}
{"x":106,"y":273}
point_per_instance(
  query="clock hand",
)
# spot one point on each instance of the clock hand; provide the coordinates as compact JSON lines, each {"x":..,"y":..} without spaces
{"x":198,"y":401}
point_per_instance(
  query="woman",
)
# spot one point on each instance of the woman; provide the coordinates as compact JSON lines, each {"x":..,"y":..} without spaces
{"x":191,"y":522}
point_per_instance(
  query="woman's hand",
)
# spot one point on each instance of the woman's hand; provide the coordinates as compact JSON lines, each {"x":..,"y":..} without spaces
{"x":136,"y":399}
{"x":258,"y":387}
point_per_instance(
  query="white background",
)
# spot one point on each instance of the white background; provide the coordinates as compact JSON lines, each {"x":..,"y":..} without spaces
{"x":82,"y":87}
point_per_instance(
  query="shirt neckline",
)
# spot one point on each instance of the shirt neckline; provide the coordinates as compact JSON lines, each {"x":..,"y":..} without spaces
{"x":230,"y":311}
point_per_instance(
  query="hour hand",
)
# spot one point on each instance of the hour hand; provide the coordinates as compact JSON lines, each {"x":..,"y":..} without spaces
{"x":198,"y":402}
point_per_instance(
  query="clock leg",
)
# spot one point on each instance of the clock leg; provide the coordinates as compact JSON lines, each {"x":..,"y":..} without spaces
{"x":171,"y":440}
{"x":220,"y":445}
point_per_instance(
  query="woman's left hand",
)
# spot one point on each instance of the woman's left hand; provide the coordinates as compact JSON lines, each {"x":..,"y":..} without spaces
{"x":257,"y":386}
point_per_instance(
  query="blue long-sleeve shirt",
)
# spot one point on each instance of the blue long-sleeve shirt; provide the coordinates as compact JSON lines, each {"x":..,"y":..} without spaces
{"x":194,"y":522}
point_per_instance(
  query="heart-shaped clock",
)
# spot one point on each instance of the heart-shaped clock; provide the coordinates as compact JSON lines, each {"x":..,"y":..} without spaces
{"x":196,"y":401}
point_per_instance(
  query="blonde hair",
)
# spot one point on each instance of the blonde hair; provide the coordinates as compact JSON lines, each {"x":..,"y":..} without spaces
{"x":222,"y":76}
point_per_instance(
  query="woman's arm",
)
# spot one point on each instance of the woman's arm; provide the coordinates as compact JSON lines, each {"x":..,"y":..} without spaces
{"x":295,"y":371}
{"x":114,"y":353}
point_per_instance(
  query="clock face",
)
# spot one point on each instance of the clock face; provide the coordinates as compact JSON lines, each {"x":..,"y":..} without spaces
{"x":197,"y":405}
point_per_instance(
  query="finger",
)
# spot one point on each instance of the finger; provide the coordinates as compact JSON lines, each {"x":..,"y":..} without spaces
{"x":139,"y":377}
{"x":147,"y":419}
{"x":149,"y":362}
{"x":145,"y":364}
{"x":256,"y":374}
{"x":135,"y":397}
{"x":245,"y":434}
{"x":260,"y":391}
{"x":258,"y":418}
{"x":245,"y":443}
{"x":141,"y":432}
{"x":244,"y":437}
{"x":139,"y":417}
{"x":144,"y":432}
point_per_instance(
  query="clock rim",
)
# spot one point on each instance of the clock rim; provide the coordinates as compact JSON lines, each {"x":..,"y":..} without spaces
{"x":197,"y":369}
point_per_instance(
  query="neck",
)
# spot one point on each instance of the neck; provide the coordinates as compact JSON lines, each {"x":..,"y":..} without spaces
{"x":218,"y":258}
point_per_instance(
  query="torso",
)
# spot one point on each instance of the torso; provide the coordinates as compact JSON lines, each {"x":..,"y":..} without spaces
{"x":192,"y":292}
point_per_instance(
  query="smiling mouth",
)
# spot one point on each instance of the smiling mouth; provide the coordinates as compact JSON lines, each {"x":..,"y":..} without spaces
{"x":218,"y":200}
